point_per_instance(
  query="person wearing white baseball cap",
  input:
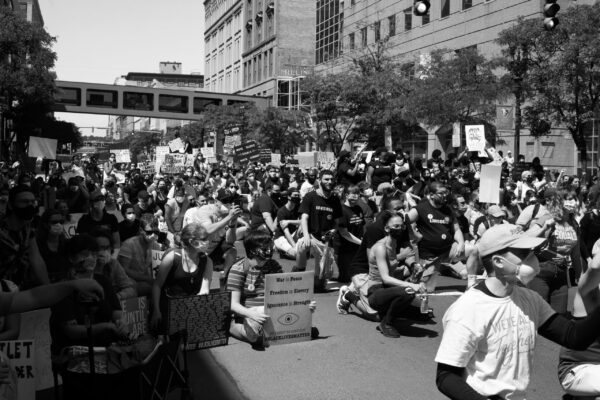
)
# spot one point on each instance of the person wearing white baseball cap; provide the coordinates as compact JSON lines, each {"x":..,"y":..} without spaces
{"x":490,"y":332}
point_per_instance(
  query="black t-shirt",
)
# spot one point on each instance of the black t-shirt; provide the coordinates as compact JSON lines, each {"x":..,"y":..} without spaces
{"x":261,"y":205}
{"x":322,"y":212}
{"x":108,"y":221}
{"x":133,"y":189}
{"x":285,"y":214}
{"x":436,"y":226}
{"x":353,"y":219}
{"x":128,"y":229}
{"x":342,"y":176}
{"x":381,"y":173}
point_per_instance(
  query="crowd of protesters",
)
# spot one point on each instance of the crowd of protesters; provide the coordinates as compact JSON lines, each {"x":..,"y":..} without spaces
{"x":384,"y":226}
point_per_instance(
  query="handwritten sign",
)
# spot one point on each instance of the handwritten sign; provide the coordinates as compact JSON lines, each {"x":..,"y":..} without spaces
{"x":173,"y":164}
{"x":231,"y":141}
{"x":475,"y":137}
{"x":159,"y":156}
{"x":122,"y":155}
{"x":206,"y":319}
{"x":489,"y":186}
{"x":247,"y":152}
{"x":456,"y":134}
{"x":176,"y":144}
{"x":275,"y":159}
{"x":326,"y":159}
{"x":70,"y":227}
{"x":135,"y":315}
{"x":208,"y":152}
{"x":35,"y":326}
{"x":265,"y":156}
{"x":157,"y":256}
{"x":21,"y":354}
{"x":287,"y":297}
{"x":307,"y":159}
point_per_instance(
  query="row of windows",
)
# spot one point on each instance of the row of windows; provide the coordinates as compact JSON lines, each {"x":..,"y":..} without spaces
{"x":223,"y":58}
{"x":224,"y":33}
{"x":228,"y":82}
{"x":259,"y":22}
{"x":260,"y":67}
{"x":329,"y":33}
{"x":445,"y":5}
{"x":216,"y":9}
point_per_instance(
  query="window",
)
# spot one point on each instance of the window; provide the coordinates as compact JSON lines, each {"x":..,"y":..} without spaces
{"x":138,"y":101}
{"x":377,"y":29}
{"x":259,"y":67}
{"x":467,"y":4}
{"x":392,"y":25}
{"x":271,"y":62}
{"x":547,"y":149}
{"x":168,"y":103}
{"x":328,"y":30}
{"x":266,"y":65}
{"x":425,"y":19}
{"x":363,"y":37}
{"x":65,"y":95}
{"x":445,"y":8}
{"x":201,"y":103}
{"x":101,"y":98}
{"x":351,"y":43}
{"x":408,"y":70}
{"x":408,"y":19}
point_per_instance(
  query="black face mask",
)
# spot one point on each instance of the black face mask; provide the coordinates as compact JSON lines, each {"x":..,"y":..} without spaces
{"x":25,"y":213}
{"x":396,"y":233}
{"x":311,"y":180}
{"x":276,"y":197}
{"x":295,"y":200}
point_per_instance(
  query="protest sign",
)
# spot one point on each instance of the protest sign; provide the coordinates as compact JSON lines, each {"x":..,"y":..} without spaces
{"x":326,"y":159}
{"x":122,"y":155}
{"x":70,"y":226}
{"x":489,"y":184}
{"x":35,"y":326}
{"x":231,"y":141}
{"x":206,"y":319}
{"x":306,"y":159}
{"x":42,"y":147}
{"x":456,"y":134}
{"x":135,"y":316}
{"x":159,"y":156}
{"x":275,"y":159}
{"x":475,"y":137}
{"x":21,"y":354}
{"x":287,"y":297}
{"x":247,"y":152}
{"x":265,"y":156}
{"x":208,"y":152}
{"x":157,"y":256}
{"x":173,"y":163}
{"x":176,"y":144}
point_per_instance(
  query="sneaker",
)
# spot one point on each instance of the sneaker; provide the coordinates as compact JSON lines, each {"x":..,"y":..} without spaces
{"x":342,"y":304}
{"x":314,"y":333}
{"x":388,"y":330}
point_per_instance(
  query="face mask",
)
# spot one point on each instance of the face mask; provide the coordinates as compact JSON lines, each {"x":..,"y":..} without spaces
{"x":276,"y":197}
{"x":130,"y":217}
{"x":396,"y":233}
{"x":570,"y":206}
{"x":25,"y":213}
{"x":162,"y":188}
{"x":311,"y":180}
{"x":179,"y":199}
{"x":56,"y":229}
{"x":295,"y":200}
{"x":527,"y":269}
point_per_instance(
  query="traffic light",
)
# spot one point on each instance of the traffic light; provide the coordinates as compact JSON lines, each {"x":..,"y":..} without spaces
{"x":421,"y":8}
{"x":550,"y":10}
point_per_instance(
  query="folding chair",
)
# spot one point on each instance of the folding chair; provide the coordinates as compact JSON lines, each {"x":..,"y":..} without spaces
{"x":161,"y":373}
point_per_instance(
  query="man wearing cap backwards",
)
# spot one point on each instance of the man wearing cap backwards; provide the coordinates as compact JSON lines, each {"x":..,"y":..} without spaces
{"x":490,"y":332}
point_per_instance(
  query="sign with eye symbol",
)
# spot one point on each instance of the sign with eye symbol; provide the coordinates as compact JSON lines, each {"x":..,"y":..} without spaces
{"x":287,"y":302}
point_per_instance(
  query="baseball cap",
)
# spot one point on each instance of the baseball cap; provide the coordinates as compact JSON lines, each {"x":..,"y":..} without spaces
{"x":496,"y":211}
{"x":224,"y":195}
{"x":143,"y":195}
{"x":505,"y":236}
{"x":384,"y":186}
{"x":343,"y":153}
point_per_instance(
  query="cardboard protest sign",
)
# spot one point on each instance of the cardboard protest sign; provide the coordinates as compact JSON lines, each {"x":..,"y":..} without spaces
{"x":489,"y":183}
{"x":275,"y":159}
{"x":135,"y":315}
{"x":159,"y":154}
{"x":173,"y":164}
{"x":231,"y":141}
{"x":176,"y":144}
{"x":70,"y":226}
{"x":42,"y":147}
{"x":35,"y":326}
{"x":307,"y":159}
{"x":157,"y":256}
{"x":206,"y":319}
{"x":21,"y":354}
{"x":287,"y":297}
{"x":247,"y":152}
{"x":326,"y":159}
{"x":265,"y":156}
{"x":122,"y":155}
{"x":208,"y":152}
{"x":475,"y":137}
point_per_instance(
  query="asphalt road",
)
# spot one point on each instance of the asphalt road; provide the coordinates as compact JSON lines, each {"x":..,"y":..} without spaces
{"x":350,"y":360}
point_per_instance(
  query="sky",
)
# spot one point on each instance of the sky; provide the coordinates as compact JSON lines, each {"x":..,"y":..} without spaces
{"x":99,"y":41}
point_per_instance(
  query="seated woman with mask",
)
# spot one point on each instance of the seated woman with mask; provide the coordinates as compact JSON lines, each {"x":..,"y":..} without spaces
{"x":246,"y":281}
{"x":186,"y":271}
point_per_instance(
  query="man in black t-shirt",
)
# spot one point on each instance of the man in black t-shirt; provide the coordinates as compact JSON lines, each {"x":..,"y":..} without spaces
{"x":320,"y":212}
{"x":288,"y":220}
{"x":99,"y":218}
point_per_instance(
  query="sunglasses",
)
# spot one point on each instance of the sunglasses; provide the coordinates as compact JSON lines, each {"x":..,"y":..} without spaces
{"x":152,"y":232}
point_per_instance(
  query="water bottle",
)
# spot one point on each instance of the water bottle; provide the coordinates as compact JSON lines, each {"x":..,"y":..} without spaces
{"x":424,"y":303}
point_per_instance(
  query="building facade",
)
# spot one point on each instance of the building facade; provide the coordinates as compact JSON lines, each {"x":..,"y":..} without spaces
{"x":452,"y":25}
{"x":259,"y":47}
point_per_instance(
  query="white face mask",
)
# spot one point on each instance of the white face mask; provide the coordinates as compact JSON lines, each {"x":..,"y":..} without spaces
{"x":130,"y":217}
{"x":179,"y":199}
{"x":527,"y":269}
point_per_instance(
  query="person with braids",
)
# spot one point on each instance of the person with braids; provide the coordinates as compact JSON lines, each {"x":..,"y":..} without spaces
{"x":246,"y":282}
{"x":185,"y":271}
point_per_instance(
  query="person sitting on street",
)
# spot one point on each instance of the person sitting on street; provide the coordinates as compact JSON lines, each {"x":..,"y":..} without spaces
{"x":109,"y":267}
{"x":288,"y":221}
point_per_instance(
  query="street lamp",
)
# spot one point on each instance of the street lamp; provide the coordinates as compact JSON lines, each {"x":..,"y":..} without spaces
{"x":550,"y":10}
{"x":421,"y":8}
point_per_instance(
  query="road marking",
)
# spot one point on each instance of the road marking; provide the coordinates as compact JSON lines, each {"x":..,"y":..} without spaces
{"x":453,"y":293}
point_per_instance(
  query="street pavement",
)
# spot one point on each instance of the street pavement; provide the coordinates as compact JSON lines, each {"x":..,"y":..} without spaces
{"x":350,"y":360}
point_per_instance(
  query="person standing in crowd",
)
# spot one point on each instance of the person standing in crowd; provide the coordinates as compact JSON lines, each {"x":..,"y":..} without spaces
{"x":159,"y":195}
{"x":185,"y":271}
{"x":288,"y":221}
{"x":490,"y":332}
{"x":354,"y":221}
{"x":347,"y":169}
{"x":99,"y":218}
{"x":22,"y":262}
{"x":110,"y":166}
{"x":381,"y":171}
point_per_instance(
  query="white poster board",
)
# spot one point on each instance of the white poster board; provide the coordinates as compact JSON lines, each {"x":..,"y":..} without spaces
{"x":21,"y":354}
{"x":42,"y":147}
{"x":122,"y":155}
{"x":326,"y":159}
{"x":275,"y":159}
{"x":35,"y":326}
{"x":306,"y":159}
{"x":287,"y":299}
{"x":208,"y":152}
{"x":489,"y":184}
{"x":475,"y":137}
{"x":456,"y":134}
{"x":159,"y":154}
{"x":176,"y":144}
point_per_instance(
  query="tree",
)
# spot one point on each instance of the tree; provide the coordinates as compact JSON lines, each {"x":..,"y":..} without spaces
{"x":26,"y":79}
{"x":194,"y":132}
{"x":564,"y":75}
{"x":279,"y":129}
{"x":140,"y":143}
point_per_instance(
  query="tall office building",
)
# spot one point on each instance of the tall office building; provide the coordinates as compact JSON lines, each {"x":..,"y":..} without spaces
{"x":351,"y":27}
{"x":259,"y":47}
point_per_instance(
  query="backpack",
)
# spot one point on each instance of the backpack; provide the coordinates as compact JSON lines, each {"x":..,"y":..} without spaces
{"x":536,"y":209}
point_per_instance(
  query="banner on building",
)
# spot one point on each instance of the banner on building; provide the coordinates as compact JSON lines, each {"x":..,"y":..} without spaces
{"x":122,"y":155}
{"x":287,"y":299}
{"x":206,"y":319}
{"x":475,"y":137}
{"x":42,"y":147}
